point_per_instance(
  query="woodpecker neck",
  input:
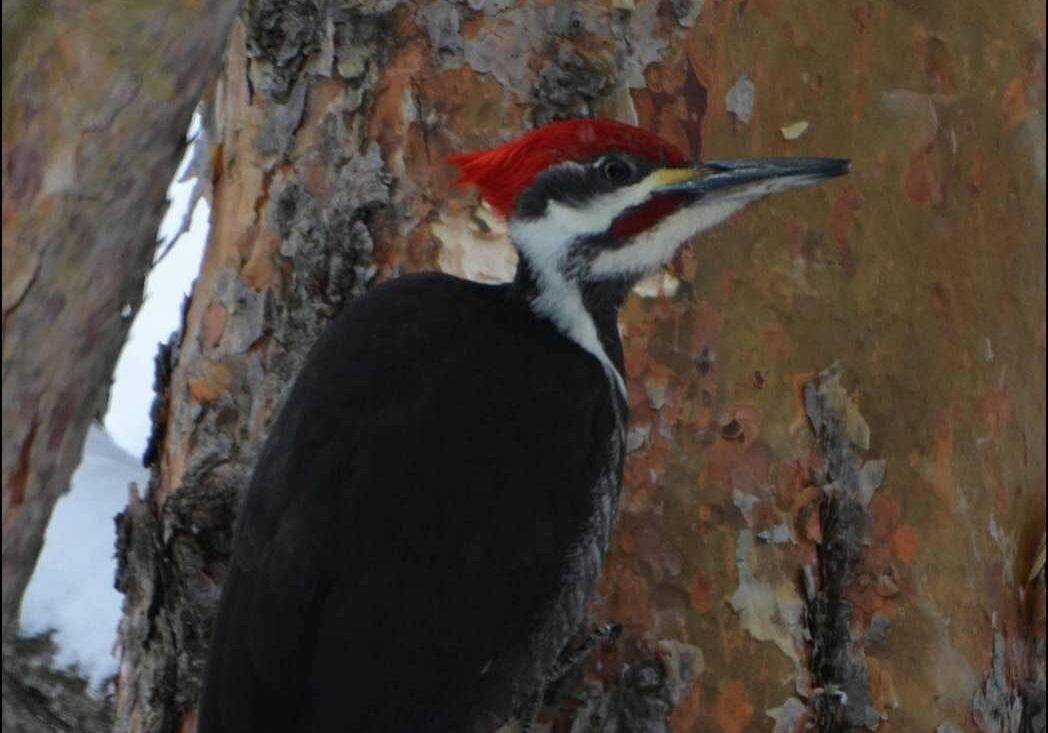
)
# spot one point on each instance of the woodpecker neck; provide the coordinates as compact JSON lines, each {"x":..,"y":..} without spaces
{"x":587,"y":313}
{"x":602,"y":299}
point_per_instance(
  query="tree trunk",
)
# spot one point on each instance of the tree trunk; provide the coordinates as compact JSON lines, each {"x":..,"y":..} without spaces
{"x":96,"y":101}
{"x":850,"y":546}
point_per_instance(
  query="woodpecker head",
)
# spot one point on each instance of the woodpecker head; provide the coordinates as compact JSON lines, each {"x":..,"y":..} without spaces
{"x":595,"y":200}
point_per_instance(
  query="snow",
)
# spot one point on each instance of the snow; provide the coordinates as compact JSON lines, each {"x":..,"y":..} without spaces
{"x":71,"y":591}
{"x":160,"y":315}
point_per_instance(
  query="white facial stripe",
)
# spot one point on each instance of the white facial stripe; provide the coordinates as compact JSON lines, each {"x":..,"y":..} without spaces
{"x":655,"y":247}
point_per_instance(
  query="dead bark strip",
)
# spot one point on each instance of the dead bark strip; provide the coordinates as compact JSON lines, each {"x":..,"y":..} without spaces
{"x":841,"y":695}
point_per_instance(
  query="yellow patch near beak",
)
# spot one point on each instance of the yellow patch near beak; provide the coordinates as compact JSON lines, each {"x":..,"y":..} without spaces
{"x":670,"y":176}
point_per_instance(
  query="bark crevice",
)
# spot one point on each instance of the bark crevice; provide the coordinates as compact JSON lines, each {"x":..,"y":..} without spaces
{"x":841,"y":696}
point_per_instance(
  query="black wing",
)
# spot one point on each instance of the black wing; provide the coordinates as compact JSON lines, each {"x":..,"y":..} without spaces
{"x":409,"y":517}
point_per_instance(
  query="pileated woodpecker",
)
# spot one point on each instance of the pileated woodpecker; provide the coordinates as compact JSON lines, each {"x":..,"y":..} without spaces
{"x":428,"y":517}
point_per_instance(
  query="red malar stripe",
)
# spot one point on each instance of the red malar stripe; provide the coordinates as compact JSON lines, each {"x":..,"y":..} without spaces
{"x":646,"y":215}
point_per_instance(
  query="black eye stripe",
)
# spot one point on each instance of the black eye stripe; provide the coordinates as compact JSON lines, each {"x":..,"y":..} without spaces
{"x":575,"y":184}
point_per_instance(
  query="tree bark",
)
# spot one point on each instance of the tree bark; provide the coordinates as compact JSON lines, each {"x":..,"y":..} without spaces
{"x":96,"y":101}
{"x":849,"y":546}
{"x":40,"y":696}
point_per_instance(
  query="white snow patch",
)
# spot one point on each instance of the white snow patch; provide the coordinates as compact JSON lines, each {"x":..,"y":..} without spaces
{"x":71,"y":591}
{"x":167,"y":285}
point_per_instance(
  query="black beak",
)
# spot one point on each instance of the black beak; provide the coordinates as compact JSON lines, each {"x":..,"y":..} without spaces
{"x":716,"y":175}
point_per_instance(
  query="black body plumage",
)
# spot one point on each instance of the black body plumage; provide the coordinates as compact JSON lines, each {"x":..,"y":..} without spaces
{"x":426,"y":520}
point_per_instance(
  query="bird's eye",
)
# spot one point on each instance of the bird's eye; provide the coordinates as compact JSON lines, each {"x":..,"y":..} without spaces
{"x":616,"y":170}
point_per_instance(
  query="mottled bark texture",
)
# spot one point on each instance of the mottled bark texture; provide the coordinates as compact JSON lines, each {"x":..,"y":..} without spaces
{"x":847,"y":548}
{"x":40,"y":697}
{"x":97,"y":97}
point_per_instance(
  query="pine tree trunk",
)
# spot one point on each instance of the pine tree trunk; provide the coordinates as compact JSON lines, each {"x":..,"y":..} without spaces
{"x":96,"y":101}
{"x":848,"y":546}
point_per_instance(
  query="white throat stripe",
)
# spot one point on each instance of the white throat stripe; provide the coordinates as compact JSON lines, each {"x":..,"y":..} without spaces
{"x":544,"y":242}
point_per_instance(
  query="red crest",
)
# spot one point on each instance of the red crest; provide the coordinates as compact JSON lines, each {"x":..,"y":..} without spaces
{"x":502,"y":173}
